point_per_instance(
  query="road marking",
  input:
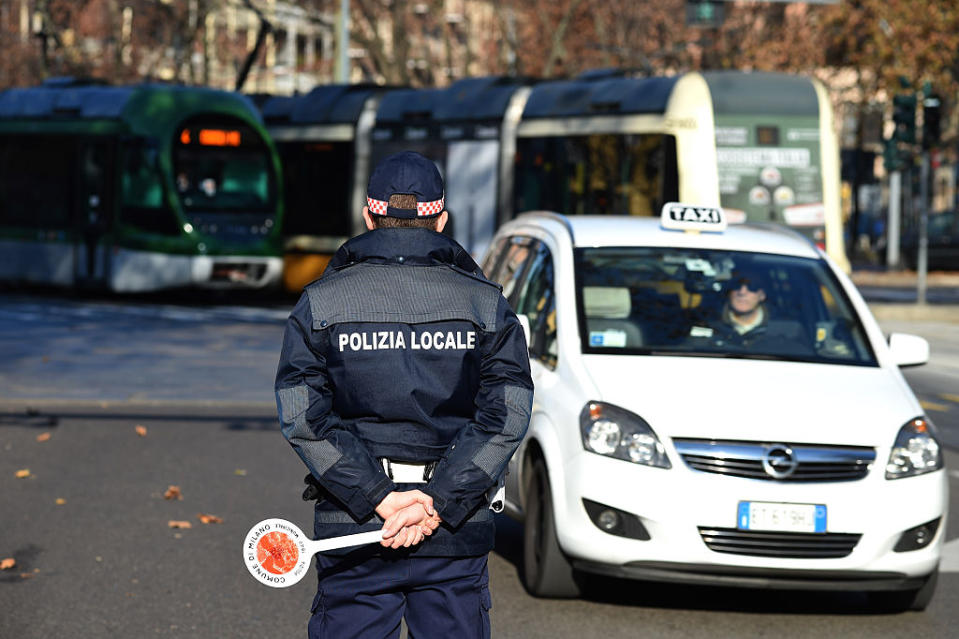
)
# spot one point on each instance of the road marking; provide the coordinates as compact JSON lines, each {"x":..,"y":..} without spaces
{"x":939,"y":408}
{"x":949,"y":397}
{"x":950,"y":556}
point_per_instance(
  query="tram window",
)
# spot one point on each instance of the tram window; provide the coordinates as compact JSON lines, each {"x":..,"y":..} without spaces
{"x":602,"y":174}
{"x":312,"y":209}
{"x":141,"y":186}
{"x":37,"y":177}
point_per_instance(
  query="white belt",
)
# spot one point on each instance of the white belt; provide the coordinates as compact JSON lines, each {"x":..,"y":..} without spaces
{"x":405,"y":473}
{"x":418,"y":473}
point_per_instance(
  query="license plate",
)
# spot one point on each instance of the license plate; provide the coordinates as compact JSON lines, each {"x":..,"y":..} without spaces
{"x":764,"y":515}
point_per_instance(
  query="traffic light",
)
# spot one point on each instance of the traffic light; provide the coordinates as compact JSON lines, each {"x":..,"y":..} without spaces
{"x":931,"y":109}
{"x":904,"y":117}
{"x":891,"y":158}
{"x":705,"y":13}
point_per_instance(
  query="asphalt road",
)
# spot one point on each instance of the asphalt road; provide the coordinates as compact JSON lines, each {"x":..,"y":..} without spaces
{"x":89,"y":526}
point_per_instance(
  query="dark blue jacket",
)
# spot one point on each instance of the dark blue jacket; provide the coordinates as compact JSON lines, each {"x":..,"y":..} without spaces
{"x":404,"y":350}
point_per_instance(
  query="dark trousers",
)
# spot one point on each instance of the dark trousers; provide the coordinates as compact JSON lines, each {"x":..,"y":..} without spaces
{"x":364,"y":595}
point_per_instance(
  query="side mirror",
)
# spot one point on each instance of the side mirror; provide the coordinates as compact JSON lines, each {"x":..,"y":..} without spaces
{"x":524,"y":322}
{"x":908,"y":350}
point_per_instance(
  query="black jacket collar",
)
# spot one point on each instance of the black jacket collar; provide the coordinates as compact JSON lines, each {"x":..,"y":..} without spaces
{"x":404,"y":246}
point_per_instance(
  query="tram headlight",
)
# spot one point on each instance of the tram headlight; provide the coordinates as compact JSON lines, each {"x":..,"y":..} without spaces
{"x":915,"y":452}
{"x":616,"y":432}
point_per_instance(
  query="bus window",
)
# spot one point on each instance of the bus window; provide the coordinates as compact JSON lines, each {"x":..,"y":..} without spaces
{"x":37,"y":181}
{"x":141,"y":189}
{"x":600,"y":174}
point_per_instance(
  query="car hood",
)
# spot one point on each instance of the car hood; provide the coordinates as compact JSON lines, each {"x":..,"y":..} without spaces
{"x":737,"y":399}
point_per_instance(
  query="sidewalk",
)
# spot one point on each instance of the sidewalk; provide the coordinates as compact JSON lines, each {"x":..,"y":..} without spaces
{"x":892,"y":295}
{"x":905,"y":279}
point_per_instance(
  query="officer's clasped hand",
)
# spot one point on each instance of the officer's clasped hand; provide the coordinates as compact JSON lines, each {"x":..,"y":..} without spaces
{"x":408,"y":518}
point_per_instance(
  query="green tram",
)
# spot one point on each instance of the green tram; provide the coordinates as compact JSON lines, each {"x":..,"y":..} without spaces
{"x":137,"y":188}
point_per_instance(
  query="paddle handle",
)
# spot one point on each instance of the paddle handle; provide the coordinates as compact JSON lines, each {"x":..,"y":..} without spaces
{"x":333,"y":543}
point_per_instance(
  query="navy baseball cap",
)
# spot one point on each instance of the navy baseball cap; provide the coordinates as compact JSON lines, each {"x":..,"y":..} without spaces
{"x":407,"y":173}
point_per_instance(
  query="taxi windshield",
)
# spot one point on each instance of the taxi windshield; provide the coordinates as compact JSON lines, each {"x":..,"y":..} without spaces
{"x":698,"y":302}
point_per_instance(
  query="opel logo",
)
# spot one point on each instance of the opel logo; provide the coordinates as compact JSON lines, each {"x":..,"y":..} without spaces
{"x":779,"y":461}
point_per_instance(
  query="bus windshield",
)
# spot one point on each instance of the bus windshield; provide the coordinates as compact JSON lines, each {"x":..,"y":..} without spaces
{"x":222,"y":167}
{"x":715,"y":303}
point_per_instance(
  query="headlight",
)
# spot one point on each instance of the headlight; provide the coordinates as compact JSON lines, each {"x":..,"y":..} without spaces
{"x":915,"y":452}
{"x":616,"y":432}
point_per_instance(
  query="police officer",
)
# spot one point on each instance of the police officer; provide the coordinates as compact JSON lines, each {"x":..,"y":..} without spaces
{"x":404,"y":386}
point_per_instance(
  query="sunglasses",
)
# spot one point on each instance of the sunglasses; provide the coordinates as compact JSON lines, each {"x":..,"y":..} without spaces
{"x":735,"y":285}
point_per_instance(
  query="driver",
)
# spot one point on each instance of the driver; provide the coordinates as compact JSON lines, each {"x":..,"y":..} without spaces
{"x":745,"y":310}
{"x":746,"y":322}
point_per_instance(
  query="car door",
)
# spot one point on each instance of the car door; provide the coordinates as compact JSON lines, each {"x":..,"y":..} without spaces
{"x":534,"y":296}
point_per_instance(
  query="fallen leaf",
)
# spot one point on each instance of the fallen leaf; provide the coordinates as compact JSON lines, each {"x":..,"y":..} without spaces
{"x":209,"y":519}
{"x":173,"y":492}
{"x":141,"y":430}
{"x":60,"y":501}
{"x":42,"y":437}
{"x":8,"y":563}
{"x":179,"y":524}
{"x":240,"y":471}
{"x":22,"y":474}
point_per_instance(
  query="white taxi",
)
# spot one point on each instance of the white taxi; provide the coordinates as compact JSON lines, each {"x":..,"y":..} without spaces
{"x":714,"y":405}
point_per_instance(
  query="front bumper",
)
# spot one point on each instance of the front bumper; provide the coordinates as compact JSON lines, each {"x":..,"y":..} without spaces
{"x":674,"y":504}
{"x":138,"y":271}
{"x":741,"y":577}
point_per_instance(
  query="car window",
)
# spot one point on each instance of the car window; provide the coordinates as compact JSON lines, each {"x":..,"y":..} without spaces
{"x":537,"y":300}
{"x":492,"y":259}
{"x":508,"y":273}
{"x":718,"y":303}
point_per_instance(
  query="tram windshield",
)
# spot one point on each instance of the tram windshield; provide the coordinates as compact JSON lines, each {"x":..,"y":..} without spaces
{"x":222,"y":166}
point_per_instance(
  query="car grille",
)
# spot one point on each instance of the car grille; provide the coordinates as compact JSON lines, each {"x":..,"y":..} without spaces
{"x":776,"y":462}
{"x":779,"y":544}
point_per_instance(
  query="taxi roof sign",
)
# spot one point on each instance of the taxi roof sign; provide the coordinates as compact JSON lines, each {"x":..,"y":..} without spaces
{"x":690,"y":217}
